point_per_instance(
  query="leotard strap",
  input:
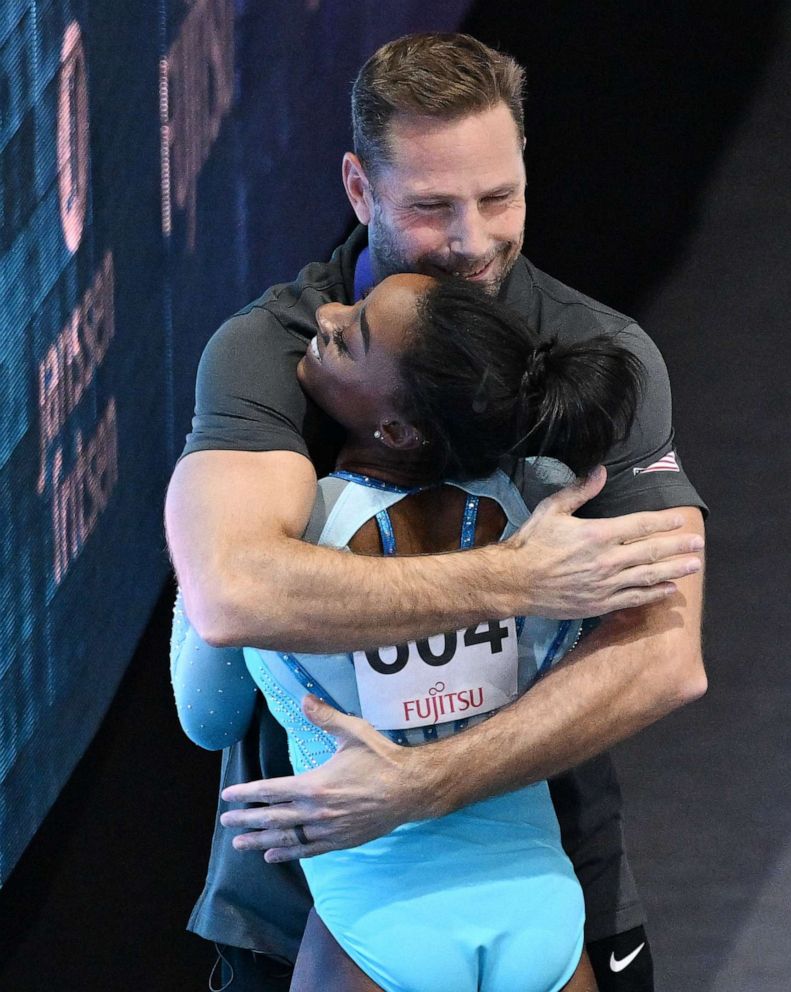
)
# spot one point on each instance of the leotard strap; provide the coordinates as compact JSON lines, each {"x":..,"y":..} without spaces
{"x":371,"y":483}
{"x":386,"y":534}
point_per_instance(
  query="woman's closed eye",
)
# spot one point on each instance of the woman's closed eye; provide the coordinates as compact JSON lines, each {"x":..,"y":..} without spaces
{"x":340,"y":344}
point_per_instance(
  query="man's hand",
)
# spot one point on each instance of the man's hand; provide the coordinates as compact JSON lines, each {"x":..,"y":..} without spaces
{"x":366,"y":789}
{"x":572,"y":567}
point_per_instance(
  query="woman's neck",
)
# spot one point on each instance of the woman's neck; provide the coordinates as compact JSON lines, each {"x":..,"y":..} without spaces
{"x":400,"y":468}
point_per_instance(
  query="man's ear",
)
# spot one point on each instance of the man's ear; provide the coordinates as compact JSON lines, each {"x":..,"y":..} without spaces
{"x":357,"y":187}
{"x":400,"y":436}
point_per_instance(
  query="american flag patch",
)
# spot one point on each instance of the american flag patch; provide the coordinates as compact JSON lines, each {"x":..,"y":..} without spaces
{"x":667,"y":463}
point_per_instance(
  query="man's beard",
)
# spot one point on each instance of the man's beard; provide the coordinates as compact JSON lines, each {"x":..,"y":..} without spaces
{"x":389,"y":258}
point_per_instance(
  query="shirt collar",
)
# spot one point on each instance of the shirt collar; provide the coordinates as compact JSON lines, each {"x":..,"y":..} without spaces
{"x":363,"y":274}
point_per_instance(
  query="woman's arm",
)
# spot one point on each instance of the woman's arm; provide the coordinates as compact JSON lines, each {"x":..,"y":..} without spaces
{"x":215,"y":695}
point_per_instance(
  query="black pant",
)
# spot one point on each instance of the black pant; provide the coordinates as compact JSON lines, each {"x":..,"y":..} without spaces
{"x":616,"y":965}
{"x":238,"y":969}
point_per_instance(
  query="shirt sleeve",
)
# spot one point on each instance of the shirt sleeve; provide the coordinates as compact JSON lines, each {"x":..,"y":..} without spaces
{"x":644,"y":471}
{"x":247,"y":397}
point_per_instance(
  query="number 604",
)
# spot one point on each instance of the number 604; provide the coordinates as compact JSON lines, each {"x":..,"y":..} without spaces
{"x":492,"y":632}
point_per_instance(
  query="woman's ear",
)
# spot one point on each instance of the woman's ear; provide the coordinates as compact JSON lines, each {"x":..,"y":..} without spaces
{"x":399,"y":436}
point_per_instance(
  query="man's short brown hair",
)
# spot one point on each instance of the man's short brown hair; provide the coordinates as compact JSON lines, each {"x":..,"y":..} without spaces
{"x":430,"y":75}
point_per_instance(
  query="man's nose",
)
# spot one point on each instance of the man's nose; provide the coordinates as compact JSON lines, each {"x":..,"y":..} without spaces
{"x":469,"y":235}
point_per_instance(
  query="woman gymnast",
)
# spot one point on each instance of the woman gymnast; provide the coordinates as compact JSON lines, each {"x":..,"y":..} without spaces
{"x":438,"y":387}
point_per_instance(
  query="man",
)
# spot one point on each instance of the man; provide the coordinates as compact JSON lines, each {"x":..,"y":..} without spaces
{"x":437,"y":179}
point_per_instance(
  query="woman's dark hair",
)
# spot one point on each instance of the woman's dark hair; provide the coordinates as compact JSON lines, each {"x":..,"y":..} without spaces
{"x":481,"y":384}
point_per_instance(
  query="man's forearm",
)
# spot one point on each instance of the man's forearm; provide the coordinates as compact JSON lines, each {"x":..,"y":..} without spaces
{"x":247,"y":578}
{"x":324,"y":600}
{"x":636,"y":667}
{"x":630,"y":672}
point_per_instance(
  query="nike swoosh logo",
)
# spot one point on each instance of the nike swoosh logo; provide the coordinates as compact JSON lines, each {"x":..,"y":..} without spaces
{"x":616,"y":965}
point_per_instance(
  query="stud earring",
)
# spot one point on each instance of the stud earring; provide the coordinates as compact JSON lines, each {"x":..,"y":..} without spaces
{"x":378,"y":435}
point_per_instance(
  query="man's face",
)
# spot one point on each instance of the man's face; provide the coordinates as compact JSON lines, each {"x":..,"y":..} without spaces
{"x":451,"y":200}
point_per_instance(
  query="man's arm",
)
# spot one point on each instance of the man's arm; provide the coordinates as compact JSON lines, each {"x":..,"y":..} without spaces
{"x":636,"y":667}
{"x":234,"y":522}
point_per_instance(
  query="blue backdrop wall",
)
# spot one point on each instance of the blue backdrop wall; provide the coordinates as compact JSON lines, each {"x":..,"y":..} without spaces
{"x":160,"y":164}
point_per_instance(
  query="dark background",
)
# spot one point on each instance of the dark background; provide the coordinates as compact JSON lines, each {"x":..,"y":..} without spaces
{"x":658,"y":171}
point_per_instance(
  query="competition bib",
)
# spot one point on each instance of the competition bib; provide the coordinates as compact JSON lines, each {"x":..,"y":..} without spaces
{"x":441,"y":678}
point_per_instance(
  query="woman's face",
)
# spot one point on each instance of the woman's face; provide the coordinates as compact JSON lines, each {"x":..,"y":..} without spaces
{"x":351,"y":367}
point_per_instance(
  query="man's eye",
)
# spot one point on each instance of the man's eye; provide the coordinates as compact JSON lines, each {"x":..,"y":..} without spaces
{"x":429,"y":207}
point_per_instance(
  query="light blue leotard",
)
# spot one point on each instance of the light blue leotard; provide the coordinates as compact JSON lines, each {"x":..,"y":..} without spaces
{"x":481,"y":899}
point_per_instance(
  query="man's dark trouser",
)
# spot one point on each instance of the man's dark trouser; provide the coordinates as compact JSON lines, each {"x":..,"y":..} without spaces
{"x":238,"y":969}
